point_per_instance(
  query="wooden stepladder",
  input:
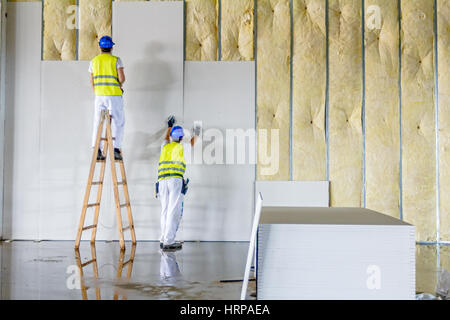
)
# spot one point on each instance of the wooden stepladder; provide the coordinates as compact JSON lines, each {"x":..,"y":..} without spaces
{"x":108,"y":151}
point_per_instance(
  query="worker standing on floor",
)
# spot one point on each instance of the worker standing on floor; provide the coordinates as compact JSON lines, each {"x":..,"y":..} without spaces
{"x":107,"y":79}
{"x":171,"y":185}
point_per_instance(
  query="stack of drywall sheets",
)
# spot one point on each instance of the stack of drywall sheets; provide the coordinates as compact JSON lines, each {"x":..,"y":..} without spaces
{"x":334,"y":253}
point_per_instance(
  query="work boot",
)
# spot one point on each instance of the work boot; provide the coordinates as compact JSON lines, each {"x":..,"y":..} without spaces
{"x":100,"y":156}
{"x":173,"y":246}
{"x":117,"y":155}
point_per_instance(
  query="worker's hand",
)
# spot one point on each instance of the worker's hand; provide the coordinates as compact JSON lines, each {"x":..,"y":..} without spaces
{"x":171,"y":121}
{"x":197,"y":130}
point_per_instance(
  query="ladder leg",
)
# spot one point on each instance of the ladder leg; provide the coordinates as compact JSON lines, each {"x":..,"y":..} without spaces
{"x":99,"y":194}
{"x":127,"y":200}
{"x":114,"y":178}
{"x":89,"y":184}
{"x":80,"y":268}
{"x":95,"y":269}
{"x":119,"y":271}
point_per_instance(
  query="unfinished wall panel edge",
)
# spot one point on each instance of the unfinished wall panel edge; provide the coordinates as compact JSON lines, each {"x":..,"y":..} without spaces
{"x":382,"y":136}
{"x":59,"y":30}
{"x":345,"y":96}
{"x":201,"y":25}
{"x":237,"y":38}
{"x":418,"y":118}
{"x":443,"y":34}
{"x":95,"y":22}
{"x":309,"y":89}
{"x":273,"y":92}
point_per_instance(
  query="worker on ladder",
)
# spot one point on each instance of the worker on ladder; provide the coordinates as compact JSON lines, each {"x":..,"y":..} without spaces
{"x":107,"y":78}
{"x":171,"y":185}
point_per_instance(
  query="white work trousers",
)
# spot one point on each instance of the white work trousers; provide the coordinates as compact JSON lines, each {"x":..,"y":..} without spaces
{"x":172,"y":206}
{"x":114,"y":104}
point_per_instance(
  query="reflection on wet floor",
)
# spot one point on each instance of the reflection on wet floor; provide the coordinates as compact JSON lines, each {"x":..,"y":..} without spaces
{"x":207,"y":270}
{"x":48,"y":270}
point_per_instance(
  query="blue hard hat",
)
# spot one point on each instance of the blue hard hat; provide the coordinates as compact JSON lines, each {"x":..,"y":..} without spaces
{"x":106,"y":42}
{"x":177,"y":133}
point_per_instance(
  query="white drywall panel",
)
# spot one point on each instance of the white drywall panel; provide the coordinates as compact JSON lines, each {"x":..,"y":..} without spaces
{"x":219,"y":203}
{"x":65,"y":151}
{"x":149,"y":40}
{"x":49,"y":146}
{"x":294,"y":193}
{"x":21,"y":194}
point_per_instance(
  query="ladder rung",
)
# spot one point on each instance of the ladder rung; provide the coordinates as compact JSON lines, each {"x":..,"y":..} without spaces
{"x":121,"y":182}
{"x":129,"y":261}
{"x":89,"y":227}
{"x":87,"y":263}
{"x":96,"y":183}
{"x":125,"y":205}
{"x":106,"y":139}
{"x":92,"y":205}
{"x":126,"y":228}
{"x":100,"y":160}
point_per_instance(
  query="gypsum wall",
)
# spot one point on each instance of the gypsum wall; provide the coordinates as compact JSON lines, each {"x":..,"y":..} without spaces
{"x":418,"y":118}
{"x":443,"y":47}
{"x":382,"y":108}
{"x":382,"y":164}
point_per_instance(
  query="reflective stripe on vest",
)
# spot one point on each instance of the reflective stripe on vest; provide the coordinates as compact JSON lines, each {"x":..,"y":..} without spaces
{"x":106,"y":79}
{"x":171,"y":162}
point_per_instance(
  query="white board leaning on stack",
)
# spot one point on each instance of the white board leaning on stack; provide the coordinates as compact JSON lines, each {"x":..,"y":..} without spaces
{"x":334,"y":253}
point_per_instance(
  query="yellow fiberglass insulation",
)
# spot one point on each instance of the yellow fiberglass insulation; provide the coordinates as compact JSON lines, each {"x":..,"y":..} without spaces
{"x":418,"y":118}
{"x":345,"y":94}
{"x":237,"y":30}
{"x":201,"y":30}
{"x":59,"y":30}
{"x":309,"y":88}
{"x":273,"y":92}
{"x":382,"y":107}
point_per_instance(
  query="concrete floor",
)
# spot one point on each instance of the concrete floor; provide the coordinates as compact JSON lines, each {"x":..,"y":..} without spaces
{"x":46,"y":270}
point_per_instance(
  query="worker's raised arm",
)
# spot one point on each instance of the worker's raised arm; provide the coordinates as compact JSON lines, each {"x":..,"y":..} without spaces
{"x":121,"y":75}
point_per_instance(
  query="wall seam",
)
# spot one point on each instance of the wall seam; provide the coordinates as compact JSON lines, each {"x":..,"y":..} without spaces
{"x":3,"y":13}
{"x":363,"y":103}
{"x":436,"y":102}
{"x":327,"y":92}
{"x":219,"y":27}
{"x":291,"y":9}
{"x":77,"y":30}
{"x":255,"y":57}
{"x":42,"y":29}
{"x":184,"y":32}
{"x":400,"y":104}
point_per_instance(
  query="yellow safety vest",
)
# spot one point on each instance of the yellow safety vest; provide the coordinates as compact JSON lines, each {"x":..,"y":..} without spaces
{"x":171,"y":162}
{"x":106,"y":79}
